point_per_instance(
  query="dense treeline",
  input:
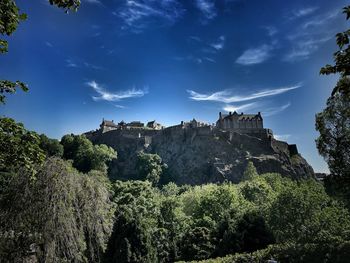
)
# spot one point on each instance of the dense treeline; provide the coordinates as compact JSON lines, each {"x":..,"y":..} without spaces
{"x":62,"y":207}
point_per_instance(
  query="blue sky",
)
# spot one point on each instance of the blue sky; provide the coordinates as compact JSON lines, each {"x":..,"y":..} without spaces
{"x":173,"y":60}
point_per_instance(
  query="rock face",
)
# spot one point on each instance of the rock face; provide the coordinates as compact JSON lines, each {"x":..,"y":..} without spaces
{"x":202,"y":155}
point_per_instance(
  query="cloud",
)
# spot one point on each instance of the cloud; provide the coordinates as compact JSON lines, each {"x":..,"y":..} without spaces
{"x":304,"y":48}
{"x":207,"y":8}
{"x":190,"y":58}
{"x":219,"y":44}
{"x":275,"y":110}
{"x":320,"y":20}
{"x":98,"y":2}
{"x":226,"y":96}
{"x":302,"y":12}
{"x":254,"y":55}
{"x":71,"y":64}
{"x":309,"y":36}
{"x":195,"y":38}
{"x":209,"y":59}
{"x":119,"y":106}
{"x":282,"y":137}
{"x":92,"y":66}
{"x":138,"y":14}
{"x":47,"y":43}
{"x":116,"y":96}
{"x":271,"y":30}
{"x":248,"y":106}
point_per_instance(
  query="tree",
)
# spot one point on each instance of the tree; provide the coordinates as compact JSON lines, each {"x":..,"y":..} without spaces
{"x":135,"y":224}
{"x":51,"y":147}
{"x":85,"y":155}
{"x":53,"y":216}
{"x":150,"y":167}
{"x":250,"y":172}
{"x":197,"y":244}
{"x":333,"y":123}
{"x":341,"y":57}
{"x":19,"y":147}
{"x":304,"y":213}
{"x":10,"y":17}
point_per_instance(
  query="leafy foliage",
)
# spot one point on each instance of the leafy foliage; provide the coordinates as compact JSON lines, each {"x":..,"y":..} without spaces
{"x":85,"y":155}
{"x":54,"y":216}
{"x":342,"y":56}
{"x":10,"y":17}
{"x":51,"y":147}
{"x":333,"y":122}
{"x":135,"y":224}
{"x":7,"y":86}
{"x":150,"y":167}
{"x":66,"y":4}
{"x":19,"y":147}
{"x":250,"y":172}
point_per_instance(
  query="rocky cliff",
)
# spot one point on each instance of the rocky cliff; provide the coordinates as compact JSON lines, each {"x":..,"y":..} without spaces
{"x":198,"y":156}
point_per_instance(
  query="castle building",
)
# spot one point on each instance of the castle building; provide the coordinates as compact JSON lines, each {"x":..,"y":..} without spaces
{"x":135,"y":124}
{"x":154,"y":125}
{"x":235,"y":121}
{"x":106,"y":126}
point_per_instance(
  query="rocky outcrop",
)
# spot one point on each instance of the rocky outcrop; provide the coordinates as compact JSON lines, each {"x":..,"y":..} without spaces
{"x":198,"y":156}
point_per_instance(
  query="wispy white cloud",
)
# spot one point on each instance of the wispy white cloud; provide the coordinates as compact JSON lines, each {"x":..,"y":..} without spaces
{"x":119,"y":106}
{"x":243,"y":107}
{"x":320,"y":19}
{"x":255,"y":55}
{"x":271,"y":30}
{"x":195,"y":38}
{"x":209,"y":59}
{"x":98,"y":2}
{"x":92,"y":66}
{"x":304,"y":48}
{"x":81,"y":64}
{"x":282,"y":137}
{"x":138,"y":14}
{"x":275,"y":110}
{"x":190,"y":58}
{"x":49,"y":44}
{"x":307,"y":38}
{"x":115,"y":96}
{"x":219,"y":43}
{"x":302,"y":12}
{"x":227,"y":96}
{"x":207,"y":8}
{"x":71,"y":63}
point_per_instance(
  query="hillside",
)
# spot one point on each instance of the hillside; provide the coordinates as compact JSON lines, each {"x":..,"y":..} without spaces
{"x":203,"y":154}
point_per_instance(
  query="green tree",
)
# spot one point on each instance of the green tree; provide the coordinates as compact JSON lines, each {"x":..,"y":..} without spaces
{"x":333,"y":123}
{"x":19,"y":147}
{"x":341,"y":57}
{"x":54,"y":215}
{"x":85,"y":155}
{"x":197,"y":244}
{"x":304,"y":213}
{"x":133,"y":238}
{"x":51,"y":147}
{"x":250,"y":172}
{"x":150,"y":167}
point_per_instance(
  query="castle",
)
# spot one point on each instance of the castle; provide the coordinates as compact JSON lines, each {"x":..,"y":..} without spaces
{"x":250,"y":124}
{"x":196,"y":147}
